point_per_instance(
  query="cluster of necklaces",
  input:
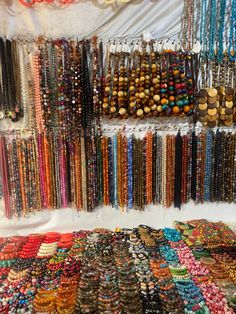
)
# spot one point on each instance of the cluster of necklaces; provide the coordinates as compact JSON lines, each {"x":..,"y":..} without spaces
{"x":140,"y":270}
{"x":217,"y":64}
{"x":126,"y":170}
{"x":144,"y":82}
{"x":216,"y":106}
{"x":52,"y":84}
{"x":42,"y":171}
{"x":168,"y":169}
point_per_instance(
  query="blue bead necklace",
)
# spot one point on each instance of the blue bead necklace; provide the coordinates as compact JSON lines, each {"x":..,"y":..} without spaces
{"x":232,"y":34}
{"x":220,"y":52}
{"x":114,"y":146}
{"x":110,"y":169}
{"x":211,"y":52}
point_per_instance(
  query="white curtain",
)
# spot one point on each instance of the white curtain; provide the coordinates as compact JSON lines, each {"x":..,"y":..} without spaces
{"x":160,"y":17}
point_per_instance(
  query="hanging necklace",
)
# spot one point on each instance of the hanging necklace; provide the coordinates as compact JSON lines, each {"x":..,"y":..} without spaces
{"x":203,"y":27}
{"x":232,"y":34}
{"x":188,"y":24}
{"x":221,"y":30}
{"x":211,"y":52}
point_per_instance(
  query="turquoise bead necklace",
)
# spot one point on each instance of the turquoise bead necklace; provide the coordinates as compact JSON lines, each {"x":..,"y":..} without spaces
{"x":220,"y":52}
{"x":232,"y":34}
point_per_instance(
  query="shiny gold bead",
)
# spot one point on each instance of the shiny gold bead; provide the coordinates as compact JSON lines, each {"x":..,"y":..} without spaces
{"x":122,"y":111}
{"x":139,"y":112}
{"x":212,"y":92}
{"x":147,"y":109}
{"x":156,"y":97}
{"x":105,"y":105}
{"x":229,"y":104}
{"x":113,"y":109}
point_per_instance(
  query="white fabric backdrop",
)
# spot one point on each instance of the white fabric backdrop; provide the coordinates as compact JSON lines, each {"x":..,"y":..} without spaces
{"x":162,"y":19}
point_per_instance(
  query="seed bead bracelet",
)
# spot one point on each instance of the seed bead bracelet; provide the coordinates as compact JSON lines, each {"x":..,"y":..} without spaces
{"x":185,"y":285}
{"x":45,"y":301}
{"x":129,"y":289}
{"x":30,"y":249}
{"x":198,"y":272}
{"x":215,"y":300}
{"x":67,"y":295}
{"x":149,"y":296}
{"x":89,"y":280}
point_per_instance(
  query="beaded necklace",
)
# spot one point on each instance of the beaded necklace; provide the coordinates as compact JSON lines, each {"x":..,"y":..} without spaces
{"x":130,"y":173}
{"x":110,"y":171}
{"x":208,"y":165}
{"x":220,"y":53}
{"x":178,"y":171}
{"x":203,"y":26}
{"x":115,"y":184}
{"x":194,"y":166}
{"x":212,"y":30}
{"x":159,"y":167}
{"x":232,"y":34}
{"x":154,"y":161}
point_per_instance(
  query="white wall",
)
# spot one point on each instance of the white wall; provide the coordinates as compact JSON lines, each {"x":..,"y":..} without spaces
{"x":65,"y":220}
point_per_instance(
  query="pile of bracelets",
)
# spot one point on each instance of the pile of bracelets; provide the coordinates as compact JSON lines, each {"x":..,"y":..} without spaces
{"x":141,"y":270}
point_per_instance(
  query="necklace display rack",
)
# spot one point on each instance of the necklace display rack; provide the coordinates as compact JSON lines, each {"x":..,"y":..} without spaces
{"x":69,"y":90}
{"x":124,"y":167}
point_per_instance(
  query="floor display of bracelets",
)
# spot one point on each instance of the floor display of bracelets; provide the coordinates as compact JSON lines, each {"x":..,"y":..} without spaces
{"x":126,"y":123}
{"x":189,"y":269}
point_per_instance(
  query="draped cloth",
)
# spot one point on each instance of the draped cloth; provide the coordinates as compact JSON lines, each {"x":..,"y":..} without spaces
{"x":85,"y":18}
